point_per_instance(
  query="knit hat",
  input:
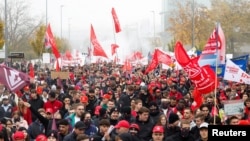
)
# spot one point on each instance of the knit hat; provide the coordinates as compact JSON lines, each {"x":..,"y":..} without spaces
{"x":102,"y":112}
{"x":52,"y":133}
{"x":173,"y":118}
{"x":114,"y":109}
{"x":126,"y":110}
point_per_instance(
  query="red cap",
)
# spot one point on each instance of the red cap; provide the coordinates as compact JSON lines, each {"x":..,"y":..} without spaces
{"x":97,"y":110}
{"x":107,"y":96}
{"x":84,"y":99}
{"x":26,"y":88}
{"x":18,"y":135}
{"x":39,"y":90}
{"x":158,"y":129}
{"x":122,"y":123}
{"x":77,"y":87}
{"x":49,"y":110}
{"x":244,"y":122}
{"x":134,"y":125}
{"x":41,"y":137}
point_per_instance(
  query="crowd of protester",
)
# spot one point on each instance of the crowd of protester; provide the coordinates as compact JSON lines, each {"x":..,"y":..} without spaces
{"x":101,"y":102}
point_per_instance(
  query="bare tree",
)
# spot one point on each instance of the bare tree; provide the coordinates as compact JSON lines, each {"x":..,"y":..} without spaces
{"x":20,"y":23}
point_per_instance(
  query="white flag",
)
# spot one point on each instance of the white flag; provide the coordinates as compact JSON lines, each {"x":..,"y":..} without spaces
{"x":234,"y":73}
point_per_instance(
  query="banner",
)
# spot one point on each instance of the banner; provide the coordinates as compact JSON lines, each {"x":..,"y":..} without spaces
{"x":234,"y":73}
{"x":241,"y":61}
{"x":14,"y":80}
{"x":215,"y":49}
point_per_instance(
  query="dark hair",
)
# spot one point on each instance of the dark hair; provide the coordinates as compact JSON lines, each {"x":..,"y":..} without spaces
{"x":63,"y":122}
{"x":82,"y":137}
{"x":104,"y":122}
{"x":143,"y":110}
{"x":217,"y":120}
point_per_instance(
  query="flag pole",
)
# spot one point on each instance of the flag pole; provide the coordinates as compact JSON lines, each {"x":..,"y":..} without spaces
{"x":114,"y":38}
{"x":216,"y":67}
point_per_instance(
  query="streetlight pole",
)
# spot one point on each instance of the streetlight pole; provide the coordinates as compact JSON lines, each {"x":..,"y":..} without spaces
{"x":46,"y":13}
{"x":61,"y":20}
{"x":69,"y":27}
{"x":6,"y":30}
{"x":154,"y":24}
{"x":193,"y":24}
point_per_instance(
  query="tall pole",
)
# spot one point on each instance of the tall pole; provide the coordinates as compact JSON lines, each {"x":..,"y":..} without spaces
{"x":154,"y":25}
{"x":192,"y":24}
{"x":46,"y":13}
{"x":61,"y":20}
{"x":6,"y":30}
{"x":69,"y":28}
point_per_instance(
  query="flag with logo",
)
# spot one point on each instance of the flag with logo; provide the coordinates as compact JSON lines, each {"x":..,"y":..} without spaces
{"x":215,"y":49}
{"x":116,"y":21}
{"x":14,"y":80}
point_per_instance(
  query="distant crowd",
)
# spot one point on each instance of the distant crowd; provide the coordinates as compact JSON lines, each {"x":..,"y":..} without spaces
{"x":104,"y":102}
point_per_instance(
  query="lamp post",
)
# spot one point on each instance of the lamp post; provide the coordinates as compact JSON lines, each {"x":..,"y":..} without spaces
{"x":61,"y":20}
{"x":154,"y":24}
{"x":46,"y":13}
{"x":69,"y":27}
{"x":6,"y":30}
{"x":193,"y":23}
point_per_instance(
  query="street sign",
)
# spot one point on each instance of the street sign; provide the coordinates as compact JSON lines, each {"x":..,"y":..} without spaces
{"x":16,"y":55}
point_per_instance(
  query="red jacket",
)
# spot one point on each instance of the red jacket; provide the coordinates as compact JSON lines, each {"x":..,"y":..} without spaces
{"x":26,"y":113}
{"x":55,"y":105}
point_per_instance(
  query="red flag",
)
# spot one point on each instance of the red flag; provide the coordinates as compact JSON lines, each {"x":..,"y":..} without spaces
{"x":113,"y":48}
{"x":127,"y":66}
{"x":98,"y":50}
{"x":52,"y":42}
{"x":202,"y":77}
{"x":116,"y":21}
{"x":68,"y":55}
{"x":57,"y":65}
{"x":31,"y":71}
{"x":153,"y":64}
{"x":14,"y":80}
{"x":46,"y":42}
{"x":163,"y":57}
{"x":197,"y":99}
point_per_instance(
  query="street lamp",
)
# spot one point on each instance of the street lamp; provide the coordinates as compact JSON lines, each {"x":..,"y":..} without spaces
{"x":46,"y":13}
{"x":69,"y":27}
{"x":154,"y":24}
{"x":61,"y":20}
{"x":6,"y":30}
{"x":193,"y":23}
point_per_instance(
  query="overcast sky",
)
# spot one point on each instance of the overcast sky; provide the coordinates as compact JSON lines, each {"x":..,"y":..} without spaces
{"x":77,"y":15}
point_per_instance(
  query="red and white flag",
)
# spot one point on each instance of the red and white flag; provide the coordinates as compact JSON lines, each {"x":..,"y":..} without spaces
{"x":116,"y":21}
{"x":52,"y":42}
{"x":215,"y":48}
{"x":14,"y":80}
{"x":98,"y":50}
{"x":234,"y":73}
{"x":113,"y":48}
